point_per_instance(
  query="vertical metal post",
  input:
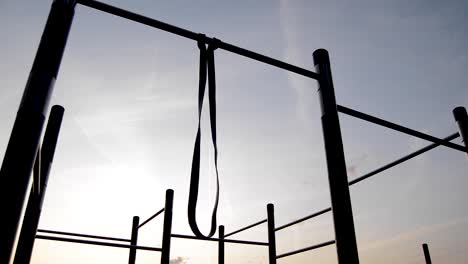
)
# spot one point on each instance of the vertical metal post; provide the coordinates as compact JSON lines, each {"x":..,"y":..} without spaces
{"x":166,"y":237}
{"x":340,"y":199}
{"x":427,"y":256}
{"x":271,"y":234}
{"x":15,"y":173}
{"x":221,"y":245}
{"x":134,"y":240}
{"x":42,"y":168}
{"x":461,"y":117}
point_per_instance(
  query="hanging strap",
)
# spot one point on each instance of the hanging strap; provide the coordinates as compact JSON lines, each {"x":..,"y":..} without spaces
{"x":206,"y":62}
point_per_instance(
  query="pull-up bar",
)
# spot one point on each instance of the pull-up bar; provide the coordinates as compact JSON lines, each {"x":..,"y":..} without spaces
{"x":324,"y":244}
{"x":195,"y":36}
{"x":409,"y":131}
{"x":235,"y":241}
{"x":97,"y":243}
{"x":82,"y":235}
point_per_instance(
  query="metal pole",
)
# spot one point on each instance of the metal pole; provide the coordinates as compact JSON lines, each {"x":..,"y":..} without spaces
{"x":134,"y":240}
{"x":461,"y":117}
{"x":271,"y":234}
{"x":15,"y":173}
{"x":31,"y":217}
{"x":221,"y":245}
{"x":340,"y":199}
{"x":166,"y":237}
{"x":41,"y":170}
{"x":427,"y":256}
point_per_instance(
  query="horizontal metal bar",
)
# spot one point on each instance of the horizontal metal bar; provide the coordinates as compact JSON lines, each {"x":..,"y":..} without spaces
{"x":304,"y":218}
{"x":306,"y":249}
{"x":225,"y":240}
{"x":82,"y":235}
{"x":97,"y":243}
{"x":268,"y":60}
{"x":151,"y":218}
{"x":195,"y":36}
{"x":399,"y":128}
{"x":247,"y":227}
{"x":403,"y":159}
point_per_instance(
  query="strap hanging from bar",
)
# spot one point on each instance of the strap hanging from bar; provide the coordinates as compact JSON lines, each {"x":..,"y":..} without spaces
{"x":206,"y":62}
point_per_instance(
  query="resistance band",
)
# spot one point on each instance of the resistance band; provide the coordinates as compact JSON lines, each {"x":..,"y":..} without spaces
{"x":206,"y":62}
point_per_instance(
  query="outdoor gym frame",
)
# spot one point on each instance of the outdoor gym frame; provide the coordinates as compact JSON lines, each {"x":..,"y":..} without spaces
{"x":23,"y":147}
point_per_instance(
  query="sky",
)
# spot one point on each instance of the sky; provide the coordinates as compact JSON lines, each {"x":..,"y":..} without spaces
{"x":130,"y":98}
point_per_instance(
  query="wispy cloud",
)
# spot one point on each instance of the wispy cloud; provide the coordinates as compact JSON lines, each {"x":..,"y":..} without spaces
{"x":292,"y":53}
{"x":413,"y":234}
{"x":178,"y":260}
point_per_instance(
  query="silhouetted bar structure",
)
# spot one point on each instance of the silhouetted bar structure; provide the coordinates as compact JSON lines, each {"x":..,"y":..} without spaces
{"x":195,"y":36}
{"x":247,"y":227}
{"x":82,"y":235}
{"x":97,"y":243}
{"x":221,"y":244}
{"x":134,"y":240}
{"x":461,"y":117}
{"x":399,"y":128}
{"x":271,"y":234}
{"x":331,"y":242}
{"x":166,"y":236}
{"x":23,"y":146}
{"x":217,"y":240}
{"x":20,"y":154}
{"x":345,"y":237}
{"x":42,"y":168}
{"x":151,"y":218}
{"x":304,"y":219}
{"x":427,"y":256}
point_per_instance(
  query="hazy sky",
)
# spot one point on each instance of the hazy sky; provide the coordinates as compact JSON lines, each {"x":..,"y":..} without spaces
{"x":130,"y":94}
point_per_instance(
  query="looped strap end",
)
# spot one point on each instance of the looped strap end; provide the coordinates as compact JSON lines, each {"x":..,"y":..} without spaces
{"x":201,"y":40}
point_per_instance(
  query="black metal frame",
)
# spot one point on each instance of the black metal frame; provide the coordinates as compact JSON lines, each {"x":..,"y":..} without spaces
{"x":23,"y":145}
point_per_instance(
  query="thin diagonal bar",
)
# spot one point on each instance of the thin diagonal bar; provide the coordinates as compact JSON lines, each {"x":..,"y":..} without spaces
{"x":306,"y":249}
{"x":247,"y":227}
{"x":403,"y":159}
{"x":195,"y":36}
{"x":304,"y":219}
{"x":402,"y":129}
{"x":374,"y":172}
{"x":97,"y":243}
{"x":82,"y":235}
{"x":151,"y":218}
{"x":225,"y":240}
